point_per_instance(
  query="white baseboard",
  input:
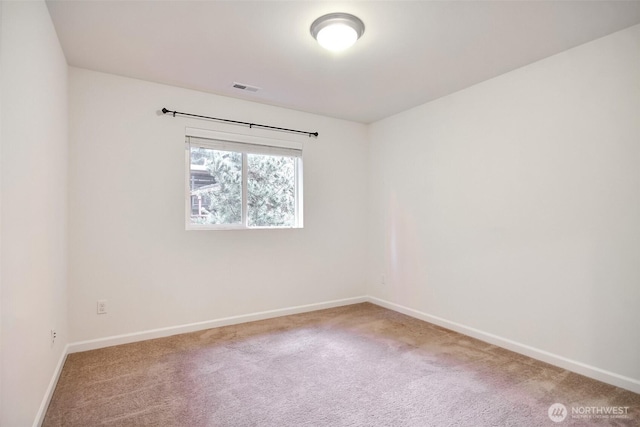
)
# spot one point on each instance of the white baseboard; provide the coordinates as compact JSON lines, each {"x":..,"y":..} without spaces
{"x":608,"y":377}
{"x":50,"y":389}
{"x":208,"y":324}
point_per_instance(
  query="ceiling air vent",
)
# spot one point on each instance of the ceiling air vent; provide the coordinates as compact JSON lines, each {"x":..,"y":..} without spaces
{"x":245,"y":87}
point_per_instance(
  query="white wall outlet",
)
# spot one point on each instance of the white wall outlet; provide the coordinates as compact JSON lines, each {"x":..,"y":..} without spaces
{"x":54,"y":335}
{"x":102,"y":306}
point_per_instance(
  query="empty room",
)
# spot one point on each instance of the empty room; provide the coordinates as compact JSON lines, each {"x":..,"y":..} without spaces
{"x":319,"y":213}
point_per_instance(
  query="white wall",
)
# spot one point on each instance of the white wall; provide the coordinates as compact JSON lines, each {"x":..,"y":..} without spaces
{"x":513,"y":206}
{"x":128,"y":242}
{"x":1,"y":341}
{"x":34,"y":208}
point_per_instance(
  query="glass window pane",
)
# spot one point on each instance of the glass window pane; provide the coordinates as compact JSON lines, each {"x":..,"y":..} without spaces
{"x":271,"y":191}
{"x":216,"y":186}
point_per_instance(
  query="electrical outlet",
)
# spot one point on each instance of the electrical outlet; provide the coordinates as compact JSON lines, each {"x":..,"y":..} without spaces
{"x":54,"y":335}
{"x":102,"y":306}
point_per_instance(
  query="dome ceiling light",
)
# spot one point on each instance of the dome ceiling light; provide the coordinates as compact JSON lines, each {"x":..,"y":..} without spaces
{"x":337,"y":31}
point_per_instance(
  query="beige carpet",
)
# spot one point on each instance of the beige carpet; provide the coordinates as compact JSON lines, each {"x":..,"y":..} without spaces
{"x":360,"y":365}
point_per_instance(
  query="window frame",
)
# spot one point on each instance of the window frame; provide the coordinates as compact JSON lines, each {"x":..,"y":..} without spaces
{"x":245,"y":145}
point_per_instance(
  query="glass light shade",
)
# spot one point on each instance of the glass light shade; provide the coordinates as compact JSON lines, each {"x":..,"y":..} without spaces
{"x":337,"y":37}
{"x":337,"y":31}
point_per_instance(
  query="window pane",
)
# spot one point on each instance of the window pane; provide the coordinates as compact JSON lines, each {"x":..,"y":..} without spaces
{"x":216,"y":186}
{"x":271,"y":191}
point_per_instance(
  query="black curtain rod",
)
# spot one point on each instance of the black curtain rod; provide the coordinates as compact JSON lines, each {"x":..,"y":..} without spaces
{"x":251,"y":125}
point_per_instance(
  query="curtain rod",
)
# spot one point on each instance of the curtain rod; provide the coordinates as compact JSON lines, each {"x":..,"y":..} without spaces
{"x":251,"y":125}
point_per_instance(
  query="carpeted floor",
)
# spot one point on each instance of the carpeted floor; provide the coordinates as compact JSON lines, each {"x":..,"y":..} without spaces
{"x":360,"y":365}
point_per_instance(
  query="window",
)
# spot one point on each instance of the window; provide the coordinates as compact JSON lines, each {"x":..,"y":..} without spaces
{"x":241,"y":182}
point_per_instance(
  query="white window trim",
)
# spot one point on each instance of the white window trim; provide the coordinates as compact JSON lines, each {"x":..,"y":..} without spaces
{"x":245,"y":144}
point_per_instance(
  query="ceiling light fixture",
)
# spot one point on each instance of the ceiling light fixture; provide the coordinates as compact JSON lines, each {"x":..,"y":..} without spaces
{"x":337,"y":31}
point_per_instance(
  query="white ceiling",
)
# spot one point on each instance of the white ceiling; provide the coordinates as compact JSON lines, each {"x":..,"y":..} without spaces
{"x":411,"y":52}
